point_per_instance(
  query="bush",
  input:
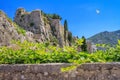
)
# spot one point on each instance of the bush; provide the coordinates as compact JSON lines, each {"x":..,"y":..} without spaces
{"x":36,"y":53}
{"x":53,"y":16}
{"x":19,"y":29}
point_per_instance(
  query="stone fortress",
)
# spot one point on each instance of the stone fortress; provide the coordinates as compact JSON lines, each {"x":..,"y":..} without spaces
{"x":37,"y":27}
{"x":40,"y":30}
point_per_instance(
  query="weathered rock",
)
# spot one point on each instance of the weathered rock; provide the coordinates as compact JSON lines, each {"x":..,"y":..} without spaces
{"x":31,"y":22}
{"x":57,"y":31}
{"x":38,"y":27}
{"x":7,"y":30}
{"x":42,"y":31}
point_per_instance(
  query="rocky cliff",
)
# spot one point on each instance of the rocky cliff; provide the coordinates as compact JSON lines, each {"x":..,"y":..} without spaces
{"x":8,"y":30}
{"x":32,"y":26}
{"x":31,"y":22}
{"x":42,"y":27}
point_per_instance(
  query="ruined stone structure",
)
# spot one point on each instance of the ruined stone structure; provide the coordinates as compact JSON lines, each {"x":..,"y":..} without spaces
{"x":38,"y":28}
{"x":95,"y":71}
{"x":42,"y":31}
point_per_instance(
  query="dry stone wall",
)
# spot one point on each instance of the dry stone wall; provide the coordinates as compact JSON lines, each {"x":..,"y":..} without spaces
{"x":95,"y":71}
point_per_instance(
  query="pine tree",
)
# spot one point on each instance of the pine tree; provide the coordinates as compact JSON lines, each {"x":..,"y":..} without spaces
{"x":84,"y":45}
{"x":65,"y":30}
{"x":69,"y":36}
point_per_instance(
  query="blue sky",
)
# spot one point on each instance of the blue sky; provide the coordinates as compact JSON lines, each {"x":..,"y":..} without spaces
{"x":81,"y":14}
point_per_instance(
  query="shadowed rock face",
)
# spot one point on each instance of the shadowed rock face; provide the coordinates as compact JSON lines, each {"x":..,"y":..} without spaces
{"x":33,"y":22}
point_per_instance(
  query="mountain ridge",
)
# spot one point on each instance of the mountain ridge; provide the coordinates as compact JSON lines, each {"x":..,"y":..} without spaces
{"x":106,"y":37}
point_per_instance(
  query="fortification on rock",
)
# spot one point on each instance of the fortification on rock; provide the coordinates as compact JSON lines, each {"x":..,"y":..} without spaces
{"x":42,"y":31}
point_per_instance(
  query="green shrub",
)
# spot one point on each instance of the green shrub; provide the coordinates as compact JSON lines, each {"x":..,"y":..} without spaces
{"x":19,"y":29}
{"x":36,"y":53}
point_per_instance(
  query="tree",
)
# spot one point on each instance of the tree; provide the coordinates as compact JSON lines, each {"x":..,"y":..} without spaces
{"x":56,"y":16}
{"x":65,"y":30}
{"x":84,"y":45}
{"x":70,"y":37}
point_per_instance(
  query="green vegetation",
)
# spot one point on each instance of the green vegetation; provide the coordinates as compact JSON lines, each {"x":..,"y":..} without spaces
{"x":67,"y":33}
{"x":9,"y":19}
{"x":54,"y":41}
{"x":84,"y":45}
{"x":70,"y":37}
{"x":65,"y":30}
{"x":46,"y":17}
{"x":106,"y":37}
{"x":19,"y":12}
{"x":55,"y":16}
{"x":0,"y":11}
{"x":52,"y":16}
{"x":19,"y":29}
{"x":36,"y":53}
{"x":46,"y":21}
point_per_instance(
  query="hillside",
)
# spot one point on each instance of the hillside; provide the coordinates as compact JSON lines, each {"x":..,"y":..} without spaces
{"x":106,"y":37}
{"x":34,"y":26}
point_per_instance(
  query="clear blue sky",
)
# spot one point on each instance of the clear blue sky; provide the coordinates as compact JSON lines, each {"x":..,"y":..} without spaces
{"x":85,"y":17}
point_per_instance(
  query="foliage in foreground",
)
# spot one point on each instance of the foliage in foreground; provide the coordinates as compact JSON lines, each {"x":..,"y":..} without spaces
{"x":36,"y":53}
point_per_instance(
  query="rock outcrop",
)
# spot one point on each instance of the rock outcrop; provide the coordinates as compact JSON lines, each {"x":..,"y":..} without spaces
{"x":7,"y":30}
{"x":32,"y":22}
{"x":31,"y":26}
{"x":57,"y":30}
{"x":49,"y":30}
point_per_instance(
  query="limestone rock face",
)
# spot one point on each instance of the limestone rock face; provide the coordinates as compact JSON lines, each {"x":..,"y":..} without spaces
{"x":42,"y":31}
{"x":57,"y":30}
{"x":7,"y":30}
